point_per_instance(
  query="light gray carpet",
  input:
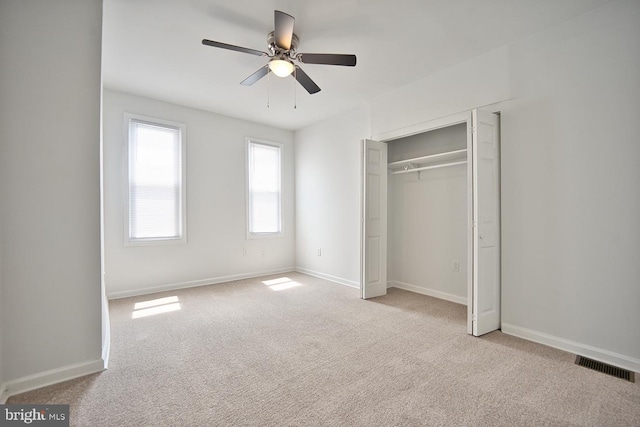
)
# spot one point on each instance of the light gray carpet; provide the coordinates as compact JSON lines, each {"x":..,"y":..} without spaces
{"x":244,"y":353}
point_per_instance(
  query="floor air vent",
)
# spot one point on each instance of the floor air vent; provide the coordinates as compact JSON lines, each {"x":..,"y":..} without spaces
{"x":607,"y":369}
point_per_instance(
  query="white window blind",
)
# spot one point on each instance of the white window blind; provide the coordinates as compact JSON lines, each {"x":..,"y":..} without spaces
{"x":264,"y":192}
{"x":155,"y":181}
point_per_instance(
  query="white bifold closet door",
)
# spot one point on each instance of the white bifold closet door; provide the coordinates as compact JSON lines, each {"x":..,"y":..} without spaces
{"x":485,"y":278}
{"x":373,"y":265}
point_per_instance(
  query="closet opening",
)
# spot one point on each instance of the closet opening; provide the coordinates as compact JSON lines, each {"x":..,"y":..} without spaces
{"x":427,"y":213}
{"x":431,"y":214}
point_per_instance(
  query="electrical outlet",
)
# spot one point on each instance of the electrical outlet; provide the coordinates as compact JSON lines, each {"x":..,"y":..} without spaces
{"x":319,"y":252}
{"x":455,"y":266}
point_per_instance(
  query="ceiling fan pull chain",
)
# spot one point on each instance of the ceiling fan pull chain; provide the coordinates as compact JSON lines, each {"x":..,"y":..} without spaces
{"x":295,"y":92}
{"x":268,"y":87}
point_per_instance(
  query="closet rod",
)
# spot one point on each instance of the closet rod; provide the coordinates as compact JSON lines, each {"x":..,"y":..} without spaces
{"x":429,"y":167}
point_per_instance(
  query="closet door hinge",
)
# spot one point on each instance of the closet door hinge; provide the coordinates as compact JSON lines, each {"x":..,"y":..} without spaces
{"x":474,"y":223}
{"x":474,"y":317}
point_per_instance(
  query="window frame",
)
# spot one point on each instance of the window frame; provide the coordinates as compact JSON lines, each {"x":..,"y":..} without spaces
{"x":267,"y":235}
{"x":128,"y":241}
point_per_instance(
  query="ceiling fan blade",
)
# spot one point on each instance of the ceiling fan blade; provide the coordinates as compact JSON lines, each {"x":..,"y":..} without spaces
{"x":233,"y":47}
{"x":256,"y":76}
{"x":327,"y":59}
{"x":283,"y":29}
{"x":305,"y":81}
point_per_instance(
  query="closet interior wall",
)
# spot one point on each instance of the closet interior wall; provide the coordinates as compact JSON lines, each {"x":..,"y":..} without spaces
{"x":428,"y":215}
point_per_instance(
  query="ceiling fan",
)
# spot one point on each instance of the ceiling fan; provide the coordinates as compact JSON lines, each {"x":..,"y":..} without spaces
{"x":282,"y":44}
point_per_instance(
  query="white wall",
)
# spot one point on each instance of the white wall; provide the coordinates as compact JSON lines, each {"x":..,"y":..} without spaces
{"x":480,"y":81}
{"x":428,"y":217}
{"x":49,"y":189}
{"x":328,"y":196}
{"x":570,"y":200}
{"x":571,"y":203}
{"x":216,"y":227}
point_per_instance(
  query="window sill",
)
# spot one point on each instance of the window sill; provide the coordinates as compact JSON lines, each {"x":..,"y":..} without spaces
{"x":155,"y":242}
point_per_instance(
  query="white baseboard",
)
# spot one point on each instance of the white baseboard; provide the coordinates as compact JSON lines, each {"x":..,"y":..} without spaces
{"x":601,"y":355}
{"x":47,"y":378}
{"x":329,"y":277}
{"x":427,"y":291}
{"x":194,"y":283}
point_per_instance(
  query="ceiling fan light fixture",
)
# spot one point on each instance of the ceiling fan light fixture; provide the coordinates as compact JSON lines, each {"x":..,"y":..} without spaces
{"x":281,"y":67}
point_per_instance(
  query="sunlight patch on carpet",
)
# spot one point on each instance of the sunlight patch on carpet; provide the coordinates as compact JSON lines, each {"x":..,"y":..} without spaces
{"x":281,"y":284}
{"x":155,"y":306}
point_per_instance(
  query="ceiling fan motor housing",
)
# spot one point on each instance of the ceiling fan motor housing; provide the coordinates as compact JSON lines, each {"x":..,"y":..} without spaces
{"x":276,"y":50}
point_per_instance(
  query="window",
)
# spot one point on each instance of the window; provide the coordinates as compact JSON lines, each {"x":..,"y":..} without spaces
{"x":264,"y":198}
{"x":155,"y":207}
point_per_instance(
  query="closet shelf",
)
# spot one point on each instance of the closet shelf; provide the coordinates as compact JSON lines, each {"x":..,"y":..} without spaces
{"x":433,"y":161}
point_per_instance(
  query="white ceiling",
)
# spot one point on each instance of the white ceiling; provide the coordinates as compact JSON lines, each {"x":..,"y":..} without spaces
{"x":153,"y":48}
